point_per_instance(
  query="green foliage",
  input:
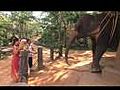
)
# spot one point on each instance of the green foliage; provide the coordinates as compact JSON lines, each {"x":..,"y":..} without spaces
{"x":24,"y":24}
{"x":55,"y":25}
{"x":20,"y":23}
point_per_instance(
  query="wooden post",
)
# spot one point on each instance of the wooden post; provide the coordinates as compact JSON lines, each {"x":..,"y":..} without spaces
{"x":23,"y":69}
{"x":40,"y":58}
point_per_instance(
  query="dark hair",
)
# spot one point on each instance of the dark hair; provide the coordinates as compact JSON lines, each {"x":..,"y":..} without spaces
{"x":28,"y":40}
{"x":14,"y":40}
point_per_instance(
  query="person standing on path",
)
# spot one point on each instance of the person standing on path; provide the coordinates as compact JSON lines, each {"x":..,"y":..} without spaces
{"x":15,"y":60}
{"x":30,"y":55}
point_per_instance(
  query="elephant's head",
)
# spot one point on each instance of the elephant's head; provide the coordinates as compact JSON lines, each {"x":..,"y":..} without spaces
{"x":82,"y":28}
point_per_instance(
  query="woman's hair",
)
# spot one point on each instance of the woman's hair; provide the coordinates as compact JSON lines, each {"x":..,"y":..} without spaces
{"x":28,"y":40}
{"x":14,"y":40}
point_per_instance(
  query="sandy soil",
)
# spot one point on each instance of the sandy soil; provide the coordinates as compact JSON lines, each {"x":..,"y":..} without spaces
{"x":58,"y":72}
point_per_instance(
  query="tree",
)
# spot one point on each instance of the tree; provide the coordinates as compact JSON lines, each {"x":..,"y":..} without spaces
{"x":20,"y":20}
{"x":5,"y":28}
{"x":20,"y":23}
{"x":55,"y":26}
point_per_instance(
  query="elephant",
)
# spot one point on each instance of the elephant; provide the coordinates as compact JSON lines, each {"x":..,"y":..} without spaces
{"x":103,"y":30}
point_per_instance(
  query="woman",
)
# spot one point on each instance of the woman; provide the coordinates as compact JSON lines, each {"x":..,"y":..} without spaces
{"x":15,"y":60}
{"x":31,"y":49}
{"x":30,"y":55}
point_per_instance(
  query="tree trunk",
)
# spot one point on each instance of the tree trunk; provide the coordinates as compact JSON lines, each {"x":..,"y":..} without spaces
{"x":65,"y":38}
{"x":60,"y":51}
{"x":61,"y":43}
{"x":40,"y":58}
{"x":86,"y":43}
{"x":51,"y":53}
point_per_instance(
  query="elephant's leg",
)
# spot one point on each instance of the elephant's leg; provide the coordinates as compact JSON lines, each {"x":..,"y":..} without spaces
{"x":93,"y":46}
{"x":99,"y":51}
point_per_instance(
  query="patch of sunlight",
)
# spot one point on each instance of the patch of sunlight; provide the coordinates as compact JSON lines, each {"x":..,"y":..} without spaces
{"x":84,"y":58}
{"x":33,"y":81}
{"x":41,"y":71}
{"x":64,"y":77}
{"x":81,"y":64}
{"x":80,"y":58}
{"x":36,"y":78}
{"x":45,"y":52}
{"x":50,"y":79}
{"x":52,"y":67}
{"x":108,"y":55}
{"x":59,"y":75}
{"x":59,"y":64}
{"x":44,"y":79}
{"x":53,"y":71}
{"x":31,"y":78}
{"x":86,"y":52}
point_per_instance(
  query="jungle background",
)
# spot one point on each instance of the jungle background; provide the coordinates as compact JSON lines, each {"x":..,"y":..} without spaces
{"x":49,"y":30}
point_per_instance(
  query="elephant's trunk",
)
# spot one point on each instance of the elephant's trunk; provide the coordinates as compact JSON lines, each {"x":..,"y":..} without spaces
{"x":69,"y":43}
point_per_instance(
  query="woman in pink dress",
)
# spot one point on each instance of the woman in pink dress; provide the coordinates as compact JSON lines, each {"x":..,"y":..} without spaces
{"x":15,"y":61}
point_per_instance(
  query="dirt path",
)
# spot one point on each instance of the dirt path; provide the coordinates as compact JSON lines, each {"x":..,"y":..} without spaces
{"x":59,"y":73}
{"x":5,"y":78}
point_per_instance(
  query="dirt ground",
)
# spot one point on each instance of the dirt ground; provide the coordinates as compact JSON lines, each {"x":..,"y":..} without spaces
{"x":59,"y":73}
